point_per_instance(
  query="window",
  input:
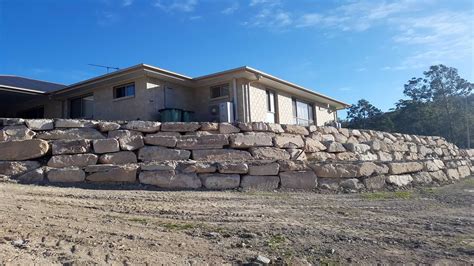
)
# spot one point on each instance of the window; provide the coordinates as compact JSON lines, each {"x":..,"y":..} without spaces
{"x":271,"y":117}
{"x":302,"y":113}
{"x":219,"y":91}
{"x":82,"y":107}
{"x":37,"y":112}
{"x":124,"y":91}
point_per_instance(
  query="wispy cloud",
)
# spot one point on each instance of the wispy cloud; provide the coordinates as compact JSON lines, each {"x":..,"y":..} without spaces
{"x":231,"y":9}
{"x":176,"y":5}
{"x":127,"y":2}
{"x":107,"y":18}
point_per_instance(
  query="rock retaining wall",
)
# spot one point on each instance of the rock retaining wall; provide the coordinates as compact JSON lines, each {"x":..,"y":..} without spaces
{"x":219,"y":156}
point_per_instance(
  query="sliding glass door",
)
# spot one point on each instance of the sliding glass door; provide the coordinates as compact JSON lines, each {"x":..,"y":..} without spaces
{"x":302,"y":113}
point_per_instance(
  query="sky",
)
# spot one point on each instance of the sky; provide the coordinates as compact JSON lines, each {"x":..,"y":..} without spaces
{"x":345,"y":49}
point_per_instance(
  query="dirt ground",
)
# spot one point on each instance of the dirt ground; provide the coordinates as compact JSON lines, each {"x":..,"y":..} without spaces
{"x":136,"y":225}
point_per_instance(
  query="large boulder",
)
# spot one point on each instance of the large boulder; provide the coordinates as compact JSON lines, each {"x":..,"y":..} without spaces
{"x":215,"y":141}
{"x":10,"y":168}
{"x":294,"y":129}
{"x":221,"y":155}
{"x":298,"y":180}
{"x":79,"y":160}
{"x":196,"y":167}
{"x":122,"y":157}
{"x":165,"y":141}
{"x":232,"y":168}
{"x":123,"y":133}
{"x":156,"y":153}
{"x":40,"y":124}
{"x":73,"y":123}
{"x":251,"y":140}
{"x":170,"y":179}
{"x":143,"y":126}
{"x":66,"y":175}
{"x":220,"y":181}
{"x":352,"y":170}
{"x":209,"y":126}
{"x":265,"y":169}
{"x":399,"y":180}
{"x":312,"y":145}
{"x":112,"y":173}
{"x":397,"y":168}
{"x":357,"y":148}
{"x":180,"y":126}
{"x":269,"y":153}
{"x":259,"y":182}
{"x":31,"y":177}
{"x":107,"y":126}
{"x":288,"y":141}
{"x":226,"y":128}
{"x":23,"y":150}
{"x":374,"y":182}
{"x":73,"y":133}
{"x":20,"y":132}
{"x":131,"y":143}
{"x":333,"y":146}
{"x":105,"y":145}
{"x":70,"y":146}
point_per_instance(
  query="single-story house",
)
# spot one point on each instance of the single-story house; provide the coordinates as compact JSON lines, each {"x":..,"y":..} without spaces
{"x":146,"y":92}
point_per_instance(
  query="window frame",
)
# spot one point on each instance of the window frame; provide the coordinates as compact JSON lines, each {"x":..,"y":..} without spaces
{"x":220,"y":87}
{"x":311,"y":112}
{"x":82,"y":97}
{"x":268,"y":94}
{"x":124,"y":86}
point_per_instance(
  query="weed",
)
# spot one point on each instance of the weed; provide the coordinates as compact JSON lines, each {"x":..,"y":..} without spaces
{"x":276,"y":241}
{"x":138,"y":220}
{"x":178,"y":226}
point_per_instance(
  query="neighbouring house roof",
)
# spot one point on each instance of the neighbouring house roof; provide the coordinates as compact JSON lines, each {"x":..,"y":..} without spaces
{"x":27,"y":85}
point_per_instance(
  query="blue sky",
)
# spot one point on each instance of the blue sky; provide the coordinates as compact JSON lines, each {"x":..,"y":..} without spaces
{"x":342,"y":48}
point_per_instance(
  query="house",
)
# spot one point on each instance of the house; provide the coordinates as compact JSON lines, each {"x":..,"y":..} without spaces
{"x":146,"y":92}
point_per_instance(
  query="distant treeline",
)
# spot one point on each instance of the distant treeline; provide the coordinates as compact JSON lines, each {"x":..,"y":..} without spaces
{"x":441,"y":103}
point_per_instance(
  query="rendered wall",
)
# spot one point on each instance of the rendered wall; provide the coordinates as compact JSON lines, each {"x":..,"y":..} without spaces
{"x":223,"y":156}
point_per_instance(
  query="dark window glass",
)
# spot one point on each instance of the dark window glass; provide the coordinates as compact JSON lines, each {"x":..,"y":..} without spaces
{"x":124,"y":91}
{"x":220,"y":91}
{"x":82,"y":107}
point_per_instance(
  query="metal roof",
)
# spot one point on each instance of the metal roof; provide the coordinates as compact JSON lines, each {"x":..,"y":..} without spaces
{"x":21,"y":83}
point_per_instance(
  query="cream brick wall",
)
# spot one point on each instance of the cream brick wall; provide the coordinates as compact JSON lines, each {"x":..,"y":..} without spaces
{"x":324,"y":115}
{"x":285,"y":108}
{"x":258,"y":102}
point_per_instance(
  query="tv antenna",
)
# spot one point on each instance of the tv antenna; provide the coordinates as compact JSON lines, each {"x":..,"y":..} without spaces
{"x":106,"y":67}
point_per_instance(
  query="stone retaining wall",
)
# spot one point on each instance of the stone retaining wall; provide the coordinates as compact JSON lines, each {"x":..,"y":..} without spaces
{"x":224,"y":156}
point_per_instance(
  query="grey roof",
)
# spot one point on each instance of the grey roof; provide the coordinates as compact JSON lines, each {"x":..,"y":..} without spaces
{"x":30,"y":84}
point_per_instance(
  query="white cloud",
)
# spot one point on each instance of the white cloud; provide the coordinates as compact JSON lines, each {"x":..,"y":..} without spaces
{"x":127,"y":2}
{"x":231,"y":9}
{"x":271,"y":18}
{"x":195,"y":17}
{"x":107,"y":18}
{"x":260,"y":2}
{"x":176,"y":5}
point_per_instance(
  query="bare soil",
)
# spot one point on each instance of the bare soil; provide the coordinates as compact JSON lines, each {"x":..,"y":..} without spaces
{"x":138,"y":225}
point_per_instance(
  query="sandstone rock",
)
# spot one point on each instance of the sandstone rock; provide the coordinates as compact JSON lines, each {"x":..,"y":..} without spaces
{"x":355,"y":133}
{"x":464,"y":171}
{"x":232,"y":168}
{"x":298,"y":180}
{"x":105,"y":145}
{"x":220,"y":181}
{"x":329,"y":130}
{"x":12,"y":169}
{"x":107,"y":126}
{"x":79,"y":160}
{"x":156,"y":153}
{"x":158,"y":166}
{"x":221,"y":155}
{"x":112,"y":173}
{"x":351,"y":184}
{"x":268,"y":169}
{"x":245,"y":127}
{"x":374,"y":182}
{"x":208,"y":126}
{"x":384,"y":156}
{"x":404,"y":167}
{"x":422,"y":178}
{"x":269,"y":153}
{"x":73,"y":123}
{"x":196,"y":167}
{"x":170,"y":180}
{"x":165,"y":141}
{"x":143,"y":126}
{"x":312,"y":128}
{"x":66,"y":175}
{"x":31,"y":177}
{"x":20,"y":132}
{"x":250,"y":140}
{"x":73,"y":133}
{"x":340,"y":138}
{"x":368,"y":157}
{"x":347,"y":156}
{"x":312,"y":145}
{"x":433,"y":165}
{"x":70,"y":146}
{"x":123,"y":133}
{"x":334,"y":146}
{"x":320,"y":156}
{"x":226,"y":128}
{"x":202,"y":142}
{"x":352,"y":170}
{"x":122,"y":157}
{"x":23,"y":150}
{"x":259,"y":182}
{"x":439,"y":176}
{"x":288,"y":141}
{"x":131,"y":143}
{"x":165,"y":134}
{"x":399,"y":180}
{"x":294,"y":129}
{"x":180,"y":126}
{"x":260,"y":126}
{"x":297,"y":154}
{"x":12,"y":121}
{"x":286,"y":165}
{"x":40,"y":124}
{"x":358,"y":148}
{"x":276,"y":128}
{"x":345,"y":132}
{"x":328,"y":184}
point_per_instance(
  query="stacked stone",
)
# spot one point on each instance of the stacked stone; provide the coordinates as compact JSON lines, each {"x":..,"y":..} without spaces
{"x":221,"y":156}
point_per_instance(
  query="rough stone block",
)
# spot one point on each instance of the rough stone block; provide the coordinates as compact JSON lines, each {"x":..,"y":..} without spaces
{"x":23,"y":150}
{"x":31,"y":177}
{"x":202,"y":142}
{"x":288,"y":141}
{"x":334,"y":146}
{"x":107,"y":126}
{"x":208,"y":126}
{"x":464,"y":171}
{"x":298,"y":180}
{"x":122,"y":157}
{"x":374,"y":182}
{"x":357,"y":148}
{"x":165,"y":141}
{"x":40,"y":124}
{"x":196,"y":167}
{"x":20,"y":132}
{"x":312,"y":145}
{"x":226,"y":128}
{"x":73,"y":133}
{"x":422,"y":178}
{"x":266,"y":169}
{"x":351,"y":184}
{"x":105,"y":145}
{"x":170,"y":179}
{"x":232,"y":168}
{"x":123,"y":133}
{"x":250,"y":140}
{"x":294,"y":129}
{"x":259,"y":182}
{"x":399,"y":180}
{"x":287,"y":165}
{"x":180,"y":126}
{"x":269,"y":153}
{"x":79,"y":160}
{"x":275,"y":128}
{"x":404,"y":167}
{"x":221,"y":155}
{"x":220,"y":181}
{"x":73,"y":123}
{"x":70,"y":146}
{"x":112,"y":173}
{"x":131,"y":143}
{"x":156,"y":153}
{"x":143,"y":126}
{"x":66,"y":175}
{"x":439,"y":176}
{"x":10,"y":168}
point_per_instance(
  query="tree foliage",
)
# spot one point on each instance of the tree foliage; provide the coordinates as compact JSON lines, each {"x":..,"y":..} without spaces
{"x":439,"y":103}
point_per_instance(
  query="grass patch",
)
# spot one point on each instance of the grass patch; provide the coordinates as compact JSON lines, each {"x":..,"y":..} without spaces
{"x":138,"y":220}
{"x":469,"y":181}
{"x":276,"y":241}
{"x":178,"y":226}
{"x":388,"y":195}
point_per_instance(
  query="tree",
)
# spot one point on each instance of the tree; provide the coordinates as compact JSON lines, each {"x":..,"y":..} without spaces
{"x":360,"y":114}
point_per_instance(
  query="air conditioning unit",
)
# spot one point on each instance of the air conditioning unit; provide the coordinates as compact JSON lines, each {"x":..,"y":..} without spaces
{"x":226,"y":112}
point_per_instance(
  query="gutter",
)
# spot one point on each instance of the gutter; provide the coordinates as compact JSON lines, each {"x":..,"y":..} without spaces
{"x":26,"y":91}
